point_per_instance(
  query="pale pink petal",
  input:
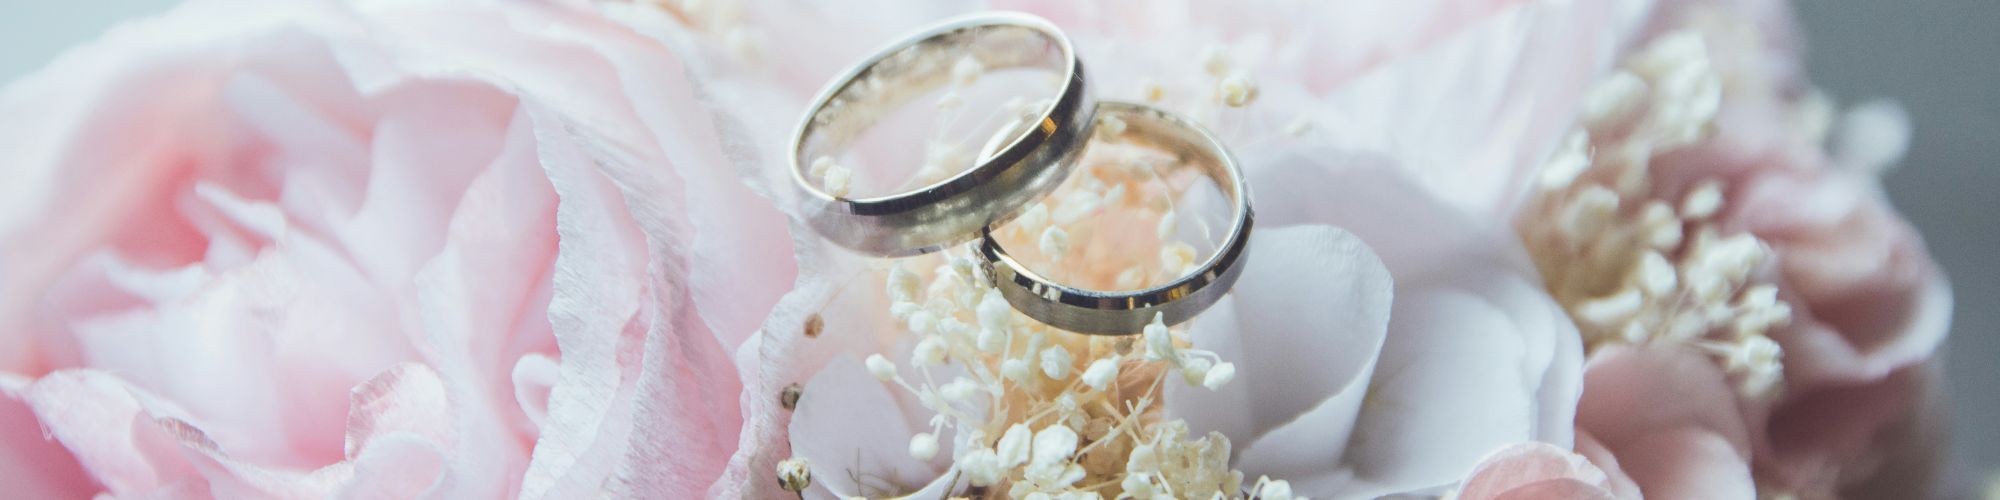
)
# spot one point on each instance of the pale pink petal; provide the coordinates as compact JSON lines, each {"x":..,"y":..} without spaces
{"x":1470,"y":319}
{"x":1631,"y":392}
{"x":1619,"y":484}
{"x":852,"y":311}
{"x":1478,"y":145}
{"x":846,"y":421}
{"x":1534,"y":470}
{"x":1867,"y":299}
{"x":1687,"y":463}
{"x":595,"y":308}
{"x":1567,"y":489}
{"x":1303,"y":327}
{"x":32,"y":464}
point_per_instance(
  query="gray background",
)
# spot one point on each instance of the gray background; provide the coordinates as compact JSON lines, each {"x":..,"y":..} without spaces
{"x":1941,"y":58}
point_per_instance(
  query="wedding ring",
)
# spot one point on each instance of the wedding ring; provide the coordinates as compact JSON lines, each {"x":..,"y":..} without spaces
{"x":1127,"y":312}
{"x":995,"y":189}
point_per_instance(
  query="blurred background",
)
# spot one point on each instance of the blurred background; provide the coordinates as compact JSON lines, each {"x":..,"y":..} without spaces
{"x":1935,"y":56}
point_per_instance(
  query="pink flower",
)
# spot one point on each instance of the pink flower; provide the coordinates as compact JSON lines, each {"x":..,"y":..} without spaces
{"x":1666,"y":421}
{"x":308,"y":250}
{"x":1535,"y":471}
{"x":1867,"y":306}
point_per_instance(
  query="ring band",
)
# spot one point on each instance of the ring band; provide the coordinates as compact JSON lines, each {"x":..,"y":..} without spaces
{"x":1126,"y":312}
{"x":996,"y":189}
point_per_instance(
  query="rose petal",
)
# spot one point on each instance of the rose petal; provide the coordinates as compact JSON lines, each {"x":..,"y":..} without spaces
{"x":1522,"y":467}
{"x":1470,"y":320}
{"x":1477,"y":146}
{"x":1687,"y":463}
{"x":839,"y":452}
{"x":1303,"y":326}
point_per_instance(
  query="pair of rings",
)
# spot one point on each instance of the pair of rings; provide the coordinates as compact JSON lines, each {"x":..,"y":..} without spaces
{"x":1011,"y":175}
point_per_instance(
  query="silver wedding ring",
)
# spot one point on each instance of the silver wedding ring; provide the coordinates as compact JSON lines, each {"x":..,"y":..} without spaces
{"x":1011,"y":174}
{"x":1127,"y":312}
{"x":996,"y":189}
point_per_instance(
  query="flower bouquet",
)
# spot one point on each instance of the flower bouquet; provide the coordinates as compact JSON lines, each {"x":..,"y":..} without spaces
{"x":560,"y":249}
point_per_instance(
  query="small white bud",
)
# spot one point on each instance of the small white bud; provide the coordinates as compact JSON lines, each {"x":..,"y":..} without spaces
{"x":1056,"y":362}
{"x":923,"y":446}
{"x":1013,"y":446}
{"x":794,"y":475}
{"x":1195,"y":370}
{"x":992,"y":340}
{"x":837,"y":180}
{"x":1610,"y":309}
{"x":1214,"y":60}
{"x":1015,"y":370}
{"x":929,"y":352}
{"x":994,"y":311}
{"x":1114,"y":196}
{"x":1219,"y":376}
{"x":1569,"y":161}
{"x":1101,"y":373}
{"x":1589,"y":211}
{"x":1754,"y":352}
{"x":1130,"y":278}
{"x":966,"y":71}
{"x":1275,"y":489}
{"x":1110,"y":126}
{"x":1151,"y":90}
{"x":820,"y":165}
{"x":1078,"y":204}
{"x":1034,"y":218}
{"x":1169,"y":222}
{"x":1142,"y":459}
{"x":982,"y":467}
{"x":902,"y":309}
{"x":923,"y":322}
{"x":1703,"y":201}
{"x":1176,"y":257}
{"x":1139,"y":486}
{"x":1237,"y":90}
{"x":1054,"y":242}
{"x":1656,"y":274}
{"x":954,"y":330}
{"x":1159,"y":343}
{"x":1066,"y":404}
{"x":903,"y":284}
{"x":1613,"y":100}
{"x":1053,"y":445}
{"x":881,"y":367}
{"x":959,"y":389}
{"x":1664,"y":229}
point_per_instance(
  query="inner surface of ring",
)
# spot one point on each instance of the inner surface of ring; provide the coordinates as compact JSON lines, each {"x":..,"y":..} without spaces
{"x":1186,"y":285}
{"x":1160,"y":184}
{"x":897,"y":78}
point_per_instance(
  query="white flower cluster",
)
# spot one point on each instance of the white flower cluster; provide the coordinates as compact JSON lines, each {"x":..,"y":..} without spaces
{"x":1633,"y":268}
{"x":1041,"y":413}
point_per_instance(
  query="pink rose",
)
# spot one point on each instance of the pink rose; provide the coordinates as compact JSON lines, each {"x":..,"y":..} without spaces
{"x":1869,"y":306}
{"x":1850,"y":412}
{"x":391,"y":250}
